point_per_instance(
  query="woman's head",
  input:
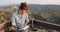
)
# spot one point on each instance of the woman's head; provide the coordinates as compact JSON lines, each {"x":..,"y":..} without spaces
{"x":23,"y":7}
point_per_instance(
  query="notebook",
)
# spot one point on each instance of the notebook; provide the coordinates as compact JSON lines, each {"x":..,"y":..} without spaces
{"x":24,"y":28}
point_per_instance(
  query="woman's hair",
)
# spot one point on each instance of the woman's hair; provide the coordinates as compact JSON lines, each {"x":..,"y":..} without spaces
{"x":23,"y":6}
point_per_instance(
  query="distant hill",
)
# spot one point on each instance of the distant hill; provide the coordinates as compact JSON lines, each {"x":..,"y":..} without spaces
{"x":6,"y":6}
{"x":49,"y":13}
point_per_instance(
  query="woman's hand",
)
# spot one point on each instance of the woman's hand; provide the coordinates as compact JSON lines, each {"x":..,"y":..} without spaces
{"x":15,"y":26}
{"x":22,"y":26}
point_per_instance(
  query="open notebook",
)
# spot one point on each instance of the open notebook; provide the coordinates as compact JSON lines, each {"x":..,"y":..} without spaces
{"x":24,"y":28}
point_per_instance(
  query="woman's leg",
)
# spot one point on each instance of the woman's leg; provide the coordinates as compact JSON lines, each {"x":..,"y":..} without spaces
{"x":15,"y":29}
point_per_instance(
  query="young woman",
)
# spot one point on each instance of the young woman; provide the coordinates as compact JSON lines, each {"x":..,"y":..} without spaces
{"x":20,"y":17}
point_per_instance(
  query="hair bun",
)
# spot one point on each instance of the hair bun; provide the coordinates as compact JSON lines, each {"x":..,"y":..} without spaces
{"x":24,"y":4}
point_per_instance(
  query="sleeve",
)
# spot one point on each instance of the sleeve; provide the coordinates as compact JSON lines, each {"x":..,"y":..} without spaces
{"x":27,"y":19}
{"x":13,"y":20}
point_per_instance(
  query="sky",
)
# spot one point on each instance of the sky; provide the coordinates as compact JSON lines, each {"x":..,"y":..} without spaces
{"x":40,"y":2}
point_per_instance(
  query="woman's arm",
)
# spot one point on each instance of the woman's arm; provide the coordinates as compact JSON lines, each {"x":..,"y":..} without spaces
{"x":27,"y":21}
{"x":13,"y":22}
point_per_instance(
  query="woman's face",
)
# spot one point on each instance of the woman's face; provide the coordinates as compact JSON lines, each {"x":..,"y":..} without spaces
{"x":23,"y":11}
